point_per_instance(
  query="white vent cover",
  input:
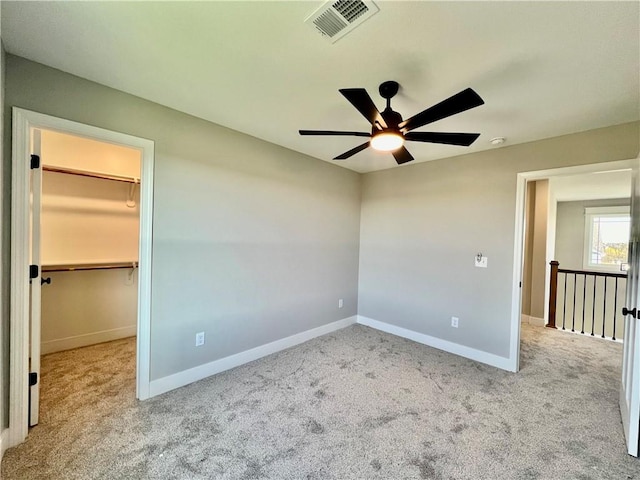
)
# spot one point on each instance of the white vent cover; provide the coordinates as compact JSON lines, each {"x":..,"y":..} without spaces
{"x":336,"y":18}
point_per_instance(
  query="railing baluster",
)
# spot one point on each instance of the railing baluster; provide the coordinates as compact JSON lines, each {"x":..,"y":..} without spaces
{"x":593,"y":313}
{"x":553,"y":295}
{"x":564,"y":303}
{"x":615,"y":309}
{"x":573,"y":311}
{"x":604,"y":307}
{"x":584,"y":299}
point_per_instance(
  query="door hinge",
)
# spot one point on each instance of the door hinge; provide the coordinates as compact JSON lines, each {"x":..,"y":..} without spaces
{"x":35,"y":161}
{"x":520,"y":284}
{"x":34,"y":270}
{"x":33,"y":378}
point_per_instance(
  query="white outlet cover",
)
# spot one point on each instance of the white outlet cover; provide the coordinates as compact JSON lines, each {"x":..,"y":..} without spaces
{"x":199,"y":339}
{"x":482,"y":262}
{"x":454,"y":322}
{"x":340,"y":303}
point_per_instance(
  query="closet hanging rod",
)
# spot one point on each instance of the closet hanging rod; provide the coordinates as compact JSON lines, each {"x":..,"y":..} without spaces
{"x":88,"y":266}
{"x":83,"y":173}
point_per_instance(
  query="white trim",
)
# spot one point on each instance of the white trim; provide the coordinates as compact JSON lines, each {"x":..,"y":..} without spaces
{"x":194,"y":374}
{"x":624,"y":412}
{"x":552,"y":217}
{"x":610,"y":210}
{"x":19,"y":315}
{"x":3,"y":227}
{"x":77,"y":341}
{"x":578,"y":169}
{"x":518,"y":254}
{"x":143,"y":348}
{"x":537,"y":321}
{"x":4,"y":442}
{"x":23,"y":122}
{"x":455,"y":348}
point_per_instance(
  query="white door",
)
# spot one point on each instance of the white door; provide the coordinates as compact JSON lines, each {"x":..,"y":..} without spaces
{"x":630,"y":387}
{"x":34,"y":337}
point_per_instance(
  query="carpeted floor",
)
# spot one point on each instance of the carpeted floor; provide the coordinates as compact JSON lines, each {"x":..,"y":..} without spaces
{"x":355,"y":404}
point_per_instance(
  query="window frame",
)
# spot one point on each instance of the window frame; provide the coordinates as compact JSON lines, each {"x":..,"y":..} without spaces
{"x":589,"y":214}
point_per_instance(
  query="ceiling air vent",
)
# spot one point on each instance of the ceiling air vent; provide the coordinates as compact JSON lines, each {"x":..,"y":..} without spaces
{"x":335,"y":19}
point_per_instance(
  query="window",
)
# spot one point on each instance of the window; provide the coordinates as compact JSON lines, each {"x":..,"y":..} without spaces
{"x":606,"y":238}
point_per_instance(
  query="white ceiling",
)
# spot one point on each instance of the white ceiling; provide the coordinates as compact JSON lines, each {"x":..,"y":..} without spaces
{"x":543,"y":68}
{"x":592,"y":186}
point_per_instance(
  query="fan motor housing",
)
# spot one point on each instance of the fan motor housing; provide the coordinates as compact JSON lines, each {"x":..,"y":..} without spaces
{"x":388,"y":89}
{"x":391,"y":118}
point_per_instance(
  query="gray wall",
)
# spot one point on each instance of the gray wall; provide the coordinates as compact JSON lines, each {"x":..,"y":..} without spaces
{"x":570,"y":230}
{"x":251,"y":242}
{"x":529,"y":217}
{"x":539,"y":250}
{"x":422,"y":225}
{"x":85,"y":307}
{"x":535,"y":248}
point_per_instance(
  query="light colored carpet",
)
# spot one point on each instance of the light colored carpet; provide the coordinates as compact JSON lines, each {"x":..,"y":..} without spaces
{"x":355,"y":404}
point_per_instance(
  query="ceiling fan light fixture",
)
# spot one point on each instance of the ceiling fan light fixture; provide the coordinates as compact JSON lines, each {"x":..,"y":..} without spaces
{"x":389,"y":131}
{"x":387,"y":141}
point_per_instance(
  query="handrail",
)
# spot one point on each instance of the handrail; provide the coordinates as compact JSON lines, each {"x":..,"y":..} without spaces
{"x":592,"y":272}
{"x":88,"y":266}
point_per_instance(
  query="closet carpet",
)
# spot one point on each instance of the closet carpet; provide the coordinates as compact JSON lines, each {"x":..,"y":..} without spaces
{"x":355,"y":404}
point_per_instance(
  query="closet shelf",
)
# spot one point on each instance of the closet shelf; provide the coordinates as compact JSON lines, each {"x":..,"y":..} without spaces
{"x":84,"y":173}
{"x":88,"y":266}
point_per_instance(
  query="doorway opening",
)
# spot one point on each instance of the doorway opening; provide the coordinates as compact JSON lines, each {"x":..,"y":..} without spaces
{"x":88,"y":239}
{"x":575,"y":252}
{"x":548,"y":241}
{"x":630,"y":358}
{"x":96,"y":210}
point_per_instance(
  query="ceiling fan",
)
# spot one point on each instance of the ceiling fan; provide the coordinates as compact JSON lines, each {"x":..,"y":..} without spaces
{"x":389,"y":131}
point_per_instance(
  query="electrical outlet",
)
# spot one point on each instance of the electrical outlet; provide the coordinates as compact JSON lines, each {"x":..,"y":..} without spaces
{"x":454,"y":322}
{"x":199,"y":339}
{"x":340,"y":303}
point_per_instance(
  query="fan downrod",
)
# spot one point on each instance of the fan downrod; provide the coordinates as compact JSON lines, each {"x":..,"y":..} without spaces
{"x":388,"y":89}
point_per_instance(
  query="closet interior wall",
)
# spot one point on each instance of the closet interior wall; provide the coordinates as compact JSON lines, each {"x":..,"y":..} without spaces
{"x":89,"y":241}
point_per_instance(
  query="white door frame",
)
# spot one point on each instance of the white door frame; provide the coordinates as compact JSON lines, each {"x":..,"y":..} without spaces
{"x":629,"y":391}
{"x":23,"y":122}
{"x":518,"y":246}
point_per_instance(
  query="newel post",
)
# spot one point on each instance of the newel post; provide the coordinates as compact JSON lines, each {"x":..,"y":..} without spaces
{"x":553,"y":293}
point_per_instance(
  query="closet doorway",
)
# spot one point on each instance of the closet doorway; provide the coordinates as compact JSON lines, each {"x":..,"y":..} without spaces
{"x":89,"y":237}
{"x":81,"y":250}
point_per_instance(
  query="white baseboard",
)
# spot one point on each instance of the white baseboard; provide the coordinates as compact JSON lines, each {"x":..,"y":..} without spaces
{"x":77,"y":341}
{"x":457,"y":349}
{"x":4,"y":442}
{"x":537,"y":321}
{"x":194,"y":374}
